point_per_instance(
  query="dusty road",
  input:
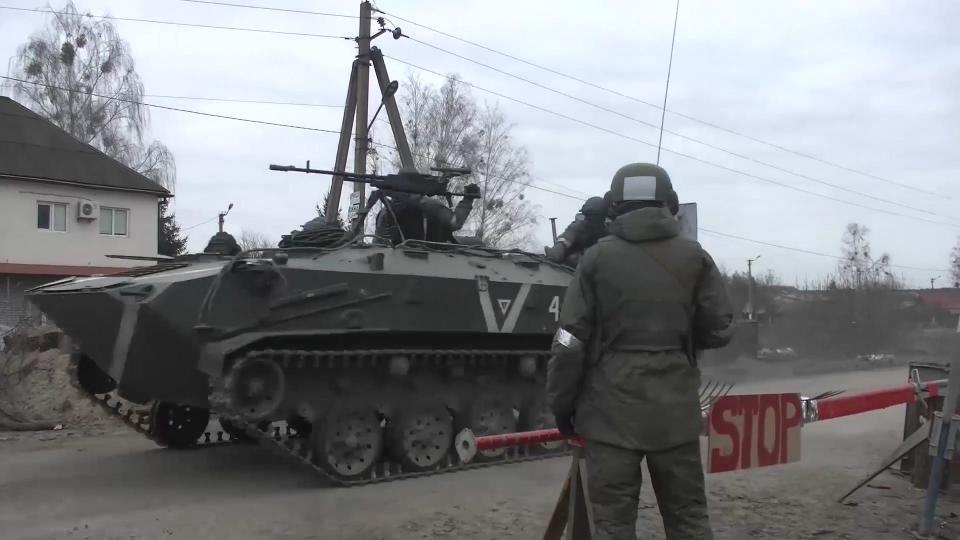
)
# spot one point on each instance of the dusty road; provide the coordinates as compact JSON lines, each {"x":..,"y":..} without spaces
{"x":118,"y":486}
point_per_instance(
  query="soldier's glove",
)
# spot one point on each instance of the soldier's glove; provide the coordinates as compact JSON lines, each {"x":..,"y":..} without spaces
{"x":556,"y":252}
{"x":565,"y":424}
{"x":471,"y":191}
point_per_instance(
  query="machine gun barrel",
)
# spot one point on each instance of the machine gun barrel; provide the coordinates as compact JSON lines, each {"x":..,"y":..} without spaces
{"x":352,"y":176}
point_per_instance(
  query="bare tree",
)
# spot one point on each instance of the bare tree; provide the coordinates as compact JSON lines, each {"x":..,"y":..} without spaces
{"x":322,"y":209}
{"x":446,"y":127}
{"x":500,"y":168}
{"x":955,"y":264}
{"x":254,"y":240}
{"x":80,"y":75}
{"x":858,"y":269}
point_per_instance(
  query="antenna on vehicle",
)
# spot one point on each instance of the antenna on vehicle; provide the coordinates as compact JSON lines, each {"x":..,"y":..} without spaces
{"x":222,"y":215}
{"x":666,"y":91}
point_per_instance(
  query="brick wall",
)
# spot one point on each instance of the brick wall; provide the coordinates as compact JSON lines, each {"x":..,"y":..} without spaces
{"x":13,"y":304}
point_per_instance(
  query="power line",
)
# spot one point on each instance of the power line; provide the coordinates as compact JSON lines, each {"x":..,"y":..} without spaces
{"x":674,"y":152}
{"x":807,"y":251}
{"x":710,"y":231}
{"x":662,"y":130}
{"x":658,"y":107}
{"x":269,"y":8}
{"x":190,"y":111}
{"x":530,"y":185}
{"x":300,"y":104}
{"x":254,"y":101}
{"x":191,"y":25}
{"x":185,"y":229}
{"x":741,"y":156}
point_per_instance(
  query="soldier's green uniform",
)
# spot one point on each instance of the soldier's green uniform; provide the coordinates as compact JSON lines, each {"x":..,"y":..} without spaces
{"x":623,"y":373}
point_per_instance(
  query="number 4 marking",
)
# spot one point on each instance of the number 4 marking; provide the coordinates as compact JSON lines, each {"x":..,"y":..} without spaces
{"x":555,"y":308}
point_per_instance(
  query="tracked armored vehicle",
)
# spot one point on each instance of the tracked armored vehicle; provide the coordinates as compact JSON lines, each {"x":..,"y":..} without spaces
{"x":361,"y":360}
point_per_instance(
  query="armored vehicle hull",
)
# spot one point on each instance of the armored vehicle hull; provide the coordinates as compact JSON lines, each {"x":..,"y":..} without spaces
{"x":361,"y":361}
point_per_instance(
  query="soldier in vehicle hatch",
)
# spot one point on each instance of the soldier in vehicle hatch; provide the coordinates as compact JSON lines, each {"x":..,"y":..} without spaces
{"x":624,"y":376}
{"x":420,"y":217}
{"x":223,"y":243}
{"x":588,"y":227}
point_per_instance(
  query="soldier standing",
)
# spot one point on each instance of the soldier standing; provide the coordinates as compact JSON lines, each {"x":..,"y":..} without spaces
{"x":641,"y":302}
{"x":589,"y":226}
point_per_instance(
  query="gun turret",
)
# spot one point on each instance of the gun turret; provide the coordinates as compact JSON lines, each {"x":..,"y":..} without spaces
{"x":409,"y":182}
{"x":413,"y":182}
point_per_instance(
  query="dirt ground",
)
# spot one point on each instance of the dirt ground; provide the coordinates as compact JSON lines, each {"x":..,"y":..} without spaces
{"x":105,"y":483}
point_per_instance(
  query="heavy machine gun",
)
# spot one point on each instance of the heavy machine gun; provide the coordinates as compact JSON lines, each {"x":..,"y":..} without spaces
{"x":406,"y":182}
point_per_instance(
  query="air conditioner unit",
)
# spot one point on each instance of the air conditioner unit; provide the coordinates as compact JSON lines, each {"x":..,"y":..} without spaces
{"x":87,"y":211}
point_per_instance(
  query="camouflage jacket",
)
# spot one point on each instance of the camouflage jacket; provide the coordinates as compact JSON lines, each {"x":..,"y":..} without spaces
{"x":640,"y":301}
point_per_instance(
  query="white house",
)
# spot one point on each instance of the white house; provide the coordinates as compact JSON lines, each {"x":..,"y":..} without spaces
{"x":65,"y":206}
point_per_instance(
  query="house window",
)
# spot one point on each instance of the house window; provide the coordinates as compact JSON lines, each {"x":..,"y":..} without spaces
{"x":52,"y":216}
{"x":113,"y":221}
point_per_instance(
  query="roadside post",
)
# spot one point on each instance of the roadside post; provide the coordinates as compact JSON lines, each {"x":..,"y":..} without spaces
{"x":943,"y":443}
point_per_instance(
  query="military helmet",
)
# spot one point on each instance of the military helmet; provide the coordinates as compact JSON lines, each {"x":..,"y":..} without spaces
{"x":640,"y":182}
{"x":594,"y":206}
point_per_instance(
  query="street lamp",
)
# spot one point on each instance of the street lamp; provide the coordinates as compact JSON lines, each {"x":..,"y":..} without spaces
{"x":750,"y":310}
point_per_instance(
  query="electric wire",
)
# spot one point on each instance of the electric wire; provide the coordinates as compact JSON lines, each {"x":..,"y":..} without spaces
{"x":178,"y":109}
{"x":658,"y":107}
{"x":674,"y":152}
{"x":807,"y":251}
{"x":190,"y":25}
{"x":662,"y":130}
{"x":531,"y":185}
{"x":270,"y":8}
{"x":251,"y":101}
{"x":184,"y":229}
{"x":699,"y":228}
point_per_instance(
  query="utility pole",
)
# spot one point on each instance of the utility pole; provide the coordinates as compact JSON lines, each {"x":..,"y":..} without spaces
{"x":750,"y":308}
{"x":363,"y":92}
{"x":932,"y":280}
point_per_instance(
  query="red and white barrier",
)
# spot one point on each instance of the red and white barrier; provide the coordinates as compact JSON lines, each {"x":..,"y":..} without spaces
{"x":744,"y":431}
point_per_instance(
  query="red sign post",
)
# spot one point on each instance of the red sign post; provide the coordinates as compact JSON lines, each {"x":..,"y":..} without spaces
{"x":750,"y":431}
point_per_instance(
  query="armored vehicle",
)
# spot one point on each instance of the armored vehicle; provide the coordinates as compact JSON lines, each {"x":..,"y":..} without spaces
{"x":359,"y":358}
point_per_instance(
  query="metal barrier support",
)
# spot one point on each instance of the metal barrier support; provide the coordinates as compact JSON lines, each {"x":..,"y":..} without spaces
{"x":943,"y":439}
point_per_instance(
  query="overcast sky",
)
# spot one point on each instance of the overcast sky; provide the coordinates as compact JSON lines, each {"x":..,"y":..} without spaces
{"x":872,"y":86}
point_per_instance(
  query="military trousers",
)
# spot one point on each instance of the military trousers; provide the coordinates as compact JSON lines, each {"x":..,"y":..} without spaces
{"x":614,"y":477}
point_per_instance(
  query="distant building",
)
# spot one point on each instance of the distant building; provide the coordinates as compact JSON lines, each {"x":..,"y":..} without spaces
{"x":65,"y":206}
{"x":943,"y":300}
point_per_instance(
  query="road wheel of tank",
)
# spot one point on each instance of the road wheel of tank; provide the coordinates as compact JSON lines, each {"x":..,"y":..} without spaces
{"x":177,"y":426}
{"x":348,"y":442}
{"x":488,"y":417}
{"x":256,"y":387}
{"x":536,"y":415}
{"x":93,"y":379}
{"x":420,"y":436}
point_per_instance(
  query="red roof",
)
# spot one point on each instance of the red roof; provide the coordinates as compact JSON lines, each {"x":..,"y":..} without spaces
{"x":946,"y":299}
